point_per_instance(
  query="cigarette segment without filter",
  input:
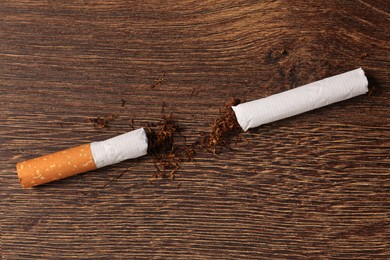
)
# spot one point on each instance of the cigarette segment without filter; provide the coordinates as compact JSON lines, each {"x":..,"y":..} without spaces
{"x":82,"y":158}
{"x":302,"y":99}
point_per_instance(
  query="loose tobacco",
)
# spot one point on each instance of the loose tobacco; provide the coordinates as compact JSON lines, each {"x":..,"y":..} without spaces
{"x":163,"y":149}
{"x":102,"y":122}
{"x":224,"y":129}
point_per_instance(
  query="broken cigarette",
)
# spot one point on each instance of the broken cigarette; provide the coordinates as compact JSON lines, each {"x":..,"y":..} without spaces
{"x":302,"y":99}
{"x":82,"y":158}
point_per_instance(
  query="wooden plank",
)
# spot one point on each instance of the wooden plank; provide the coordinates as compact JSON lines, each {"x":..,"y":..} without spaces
{"x":315,"y":185}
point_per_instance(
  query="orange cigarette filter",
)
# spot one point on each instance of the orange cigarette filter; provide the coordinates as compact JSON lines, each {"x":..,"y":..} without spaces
{"x":56,"y":166}
{"x":82,"y":158}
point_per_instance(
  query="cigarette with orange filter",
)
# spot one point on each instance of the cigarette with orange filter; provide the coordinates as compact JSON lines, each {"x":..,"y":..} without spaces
{"x":83,"y":158}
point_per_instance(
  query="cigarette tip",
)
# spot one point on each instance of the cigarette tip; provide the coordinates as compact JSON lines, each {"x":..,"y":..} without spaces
{"x":23,"y":178}
{"x":21,"y":183}
{"x":18,"y":166}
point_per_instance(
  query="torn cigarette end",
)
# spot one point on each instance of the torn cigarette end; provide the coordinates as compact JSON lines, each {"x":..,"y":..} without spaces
{"x":82,"y":158}
{"x":302,"y":99}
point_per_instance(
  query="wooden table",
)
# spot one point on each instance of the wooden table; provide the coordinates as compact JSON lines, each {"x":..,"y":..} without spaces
{"x":313,"y":186}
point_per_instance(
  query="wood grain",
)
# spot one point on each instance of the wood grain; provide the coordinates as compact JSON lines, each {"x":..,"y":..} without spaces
{"x":313,"y":186}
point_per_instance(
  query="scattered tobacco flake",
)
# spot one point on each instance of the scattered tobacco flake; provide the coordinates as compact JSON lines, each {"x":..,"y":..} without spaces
{"x":195,"y":92}
{"x":102,"y":122}
{"x":190,"y":151}
{"x":274,"y":55}
{"x":123,"y":102}
{"x":164,"y":105}
{"x":159,"y":82}
{"x":131,"y":123}
{"x":223,"y":129}
{"x":283,"y":52}
{"x":162,"y":147}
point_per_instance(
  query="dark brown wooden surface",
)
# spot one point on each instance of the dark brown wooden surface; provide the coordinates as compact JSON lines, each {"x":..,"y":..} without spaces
{"x":313,"y":186}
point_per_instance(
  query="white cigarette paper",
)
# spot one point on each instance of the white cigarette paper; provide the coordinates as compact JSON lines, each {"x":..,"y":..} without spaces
{"x":119,"y":148}
{"x":302,"y":99}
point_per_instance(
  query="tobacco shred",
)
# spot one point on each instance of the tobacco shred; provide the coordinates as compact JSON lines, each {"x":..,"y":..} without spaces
{"x":158,"y":82}
{"x":163,"y":149}
{"x":195,"y":92}
{"x":224,"y":129}
{"x":131,"y":124}
{"x":102,"y":122}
